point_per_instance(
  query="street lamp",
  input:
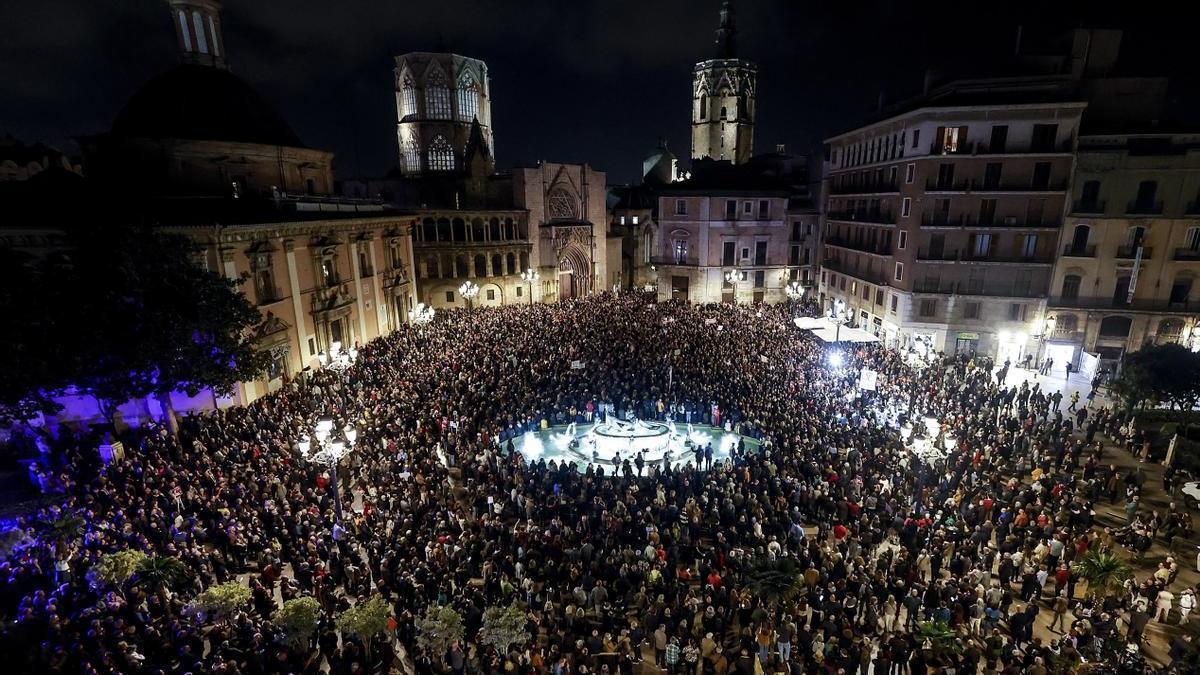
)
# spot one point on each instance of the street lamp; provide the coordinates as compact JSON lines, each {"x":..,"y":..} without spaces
{"x":794,"y":291}
{"x":328,"y":451}
{"x":337,"y":360}
{"x":529,"y":276}
{"x":423,"y":314}
{"x":839,"y":315}
{"x":1047,"y":329}
{"x":468,"y":290}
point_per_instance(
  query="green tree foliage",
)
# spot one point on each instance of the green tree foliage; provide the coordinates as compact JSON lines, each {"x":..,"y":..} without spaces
{"x":122,"y":313}
{"x":1104,"y":572}
{"x":114,"y":569}
{"x":775,"y":580}
{"x":503,"y":627}
{"x":1168,"y":373}
{"x":939,"y":638}
{"x":219,"y":603}
{"x":438,"y":629}
{"x":297,"y":619}
{"x":159,"y":573}
{"x":365,"y":620}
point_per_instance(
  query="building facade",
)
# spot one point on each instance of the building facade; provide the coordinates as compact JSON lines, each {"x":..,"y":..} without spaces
{"x":444,"y":113}
{"x":488,"y":247}
{"x":942,"y":224}
{"x":1130,"y":255}
{"x":724,"y":89}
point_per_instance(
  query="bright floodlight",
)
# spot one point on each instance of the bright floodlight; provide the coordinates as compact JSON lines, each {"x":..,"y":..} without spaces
{"x":835,"y":360}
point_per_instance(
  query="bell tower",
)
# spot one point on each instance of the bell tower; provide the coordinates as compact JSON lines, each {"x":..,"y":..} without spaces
{"x":198,"y":31}
{"x":723,"y":99}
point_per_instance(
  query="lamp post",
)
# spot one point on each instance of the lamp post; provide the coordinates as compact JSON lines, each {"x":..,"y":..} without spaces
{"x":328,"y":451}
{"x":1047,"y":329}
{"x":337,"y":359}
{"x":529,"y":276}
{"x":731,"y":278}
{"x":839,"y":315}
{"x":468,"y":291}
{"x":794,"y":291}
{"x":423,"y":314}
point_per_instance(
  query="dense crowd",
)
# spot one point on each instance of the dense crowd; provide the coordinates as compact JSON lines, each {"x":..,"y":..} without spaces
{"x":879,"y":549}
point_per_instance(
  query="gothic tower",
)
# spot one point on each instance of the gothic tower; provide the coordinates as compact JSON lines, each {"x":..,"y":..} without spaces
{"x":198,"y":31}
{"x":723,"y":106}
{"x":443,"y":114}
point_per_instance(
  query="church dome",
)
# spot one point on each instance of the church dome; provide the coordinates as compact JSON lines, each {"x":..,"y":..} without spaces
{"x":197,"y":102}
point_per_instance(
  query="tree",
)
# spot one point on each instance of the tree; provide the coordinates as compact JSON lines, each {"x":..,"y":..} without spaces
{"x":939,"y":638}
{"x":439,"y":629}
{"x":114,"y":569}
{"x":1103,"y":571}
{"x":297,"y":619}
{"x":775,"y":580}
{"x":64,"y":530}
{"x":219,"y":603}
{"x":158,"y":573}
{"x":365,"y":620}
{"x":1168,"y":373}
{"x":503,"y":627}
{"x":159,"y":323}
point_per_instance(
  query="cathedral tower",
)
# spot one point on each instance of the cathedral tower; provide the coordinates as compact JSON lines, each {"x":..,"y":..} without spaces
{"x":444,"y":115}
{"x":198,"y":31}
{"x":723,"y":105}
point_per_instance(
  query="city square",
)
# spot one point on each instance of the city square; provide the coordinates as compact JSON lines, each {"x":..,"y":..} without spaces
{"x":921,"y":401}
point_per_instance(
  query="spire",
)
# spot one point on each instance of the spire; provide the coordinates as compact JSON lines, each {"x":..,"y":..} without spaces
{"x":726,"y":47}
{"x":198,"y":31}
{"x":477,"y":150}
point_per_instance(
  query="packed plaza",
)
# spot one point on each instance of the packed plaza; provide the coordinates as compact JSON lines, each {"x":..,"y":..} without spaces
{"x":612,"y":569}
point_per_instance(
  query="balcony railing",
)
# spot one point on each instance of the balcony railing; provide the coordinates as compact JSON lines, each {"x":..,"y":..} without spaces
{"x":1008,"y":149}
{"x":883,"y":217}
{"x":1186,"y":253}
{"x":971,"y":256}
{"x":877,"y":278}
{"x":869,"y":187}
{"x":1091,"y":207}
{"x":1144,"y":208}
{"x":942,"y":287}
{"x":1079,"y":252}
{"x":1130,"y":252}
{"x":935,"y":185}
{"x":678,"y":261}
{"x":937,"y":219}
{"x":1143,"y":305}
{"x":861,"y":246}
{"x":937,"y":256}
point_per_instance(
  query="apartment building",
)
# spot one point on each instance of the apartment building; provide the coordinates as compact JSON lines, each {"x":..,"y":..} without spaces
{"x":942,"y":222}
{"x":1126,"y":275}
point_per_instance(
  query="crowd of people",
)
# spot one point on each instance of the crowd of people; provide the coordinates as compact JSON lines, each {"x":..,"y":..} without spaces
{"x":832,"y":548}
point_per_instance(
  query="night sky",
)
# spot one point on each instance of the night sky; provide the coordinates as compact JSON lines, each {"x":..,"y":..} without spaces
{"x":579,"y":80}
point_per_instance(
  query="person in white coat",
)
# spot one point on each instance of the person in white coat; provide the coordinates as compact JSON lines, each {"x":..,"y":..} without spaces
{"x":1162,"y":604}
{"x":1187,"y":602}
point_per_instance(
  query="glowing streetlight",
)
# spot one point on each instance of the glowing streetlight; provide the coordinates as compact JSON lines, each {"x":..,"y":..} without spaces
{"x":468,"y":291}
{"x":328,"y":451}
{"x":529,"y":276}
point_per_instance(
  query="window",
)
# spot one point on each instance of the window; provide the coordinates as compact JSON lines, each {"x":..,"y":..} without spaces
{"x":987,"y":211}
{"x":449,"y":296}
{"x":747,"y":208}
{"x":312,"y":347}
{"x":703,"y":107}
{"x":910,"y":172}
{"x":441,"y":155}
{"x":622,"y":220}
{"x":971,"y":310}
{"x":853,"y":287}
{"x":760,"y":253}
{"x":902,"y":240}
{"x":329,"y":270}
{"x":916,"y":137}
{"x":519,"y":293}
{"x":1029,"y":246}
{"x":794,"y":255}
{"x":895,"y":302}
{"x":1145,"y":196}
{"x":724,"y":114}
{"x":480,"y":265}
{"x":1192,"y":240}
{"x":727,"y":253}
{"x":899,"y":272}
{"x":1070,"y":286}
{"x":468,"y":100}
{"x":681,"y":207}
{"x":201,"y":41}
{"x":437,"y":98}
{"x":183,"y":25}
{"x":1043,"y":137}
{"x":951,"y":139}
{"x":807,"y":253}
{"x":745,"y":252}
{"x":1180,"y":290}
{"x":680,"y":250}
{"x":497,"y":265}
{"x":491,"y":294}
{"x":1041,"y":176}
{"x":906,"y":207}
{"x":928,"y":307}
{"x":991,"y":175}
{"x":264,"y":278}
{"x":760,"y":279}
{"x":1016,"y":311}
{"x":633,"y":220}
{"x":412,"y":155}
{"x":981,"y":245}
{"x":408,"y":99}
{"x":730,"y":209}
{"x":866,"y":292}
{"x":364,"y":264}
{"x":999,"y":139}
{"x":879,"y":296}
{"x":1136,"y":236}
{"x":945,"y":177}
{"x":764,"y":209}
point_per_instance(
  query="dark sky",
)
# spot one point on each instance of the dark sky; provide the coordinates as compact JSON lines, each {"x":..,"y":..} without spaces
{"x":572,"y":80}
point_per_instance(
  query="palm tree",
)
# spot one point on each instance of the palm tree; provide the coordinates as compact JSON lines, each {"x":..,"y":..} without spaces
{"x":775,"y":580}
{"x":158,"y":573}
{"x":1104,"y":572}
{"x":943,"y":640}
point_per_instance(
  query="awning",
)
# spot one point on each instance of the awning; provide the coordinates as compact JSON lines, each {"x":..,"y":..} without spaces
{"x":827,"y":331}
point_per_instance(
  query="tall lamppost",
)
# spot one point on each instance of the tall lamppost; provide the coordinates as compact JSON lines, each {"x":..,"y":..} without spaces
{"x":423,"y":314}
{"x":1047,"y":329}
{"x":794,"y":291}
{"x":839,"y":315}
{"x":468,"y":290}
{"x":732,"y":277}
{"x":329,"y":450}
{"x":337,"y":359}
{"x":530,"y":276}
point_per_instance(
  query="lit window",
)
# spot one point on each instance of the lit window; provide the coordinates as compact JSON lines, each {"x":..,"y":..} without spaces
{"x":634,"y":219}
{"x":408,"y":99}
{"x":441,"y":155}
{"x":437,"y":98}
{"x":468,"y":93}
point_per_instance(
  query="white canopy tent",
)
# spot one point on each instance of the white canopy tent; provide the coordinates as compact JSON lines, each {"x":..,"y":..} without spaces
{"x":827,"y":331}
